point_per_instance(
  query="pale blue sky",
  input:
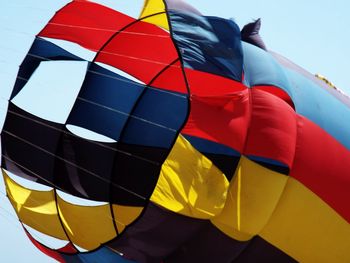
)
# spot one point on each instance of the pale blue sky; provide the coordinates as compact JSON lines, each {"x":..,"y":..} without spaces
{"x":313,"y":34}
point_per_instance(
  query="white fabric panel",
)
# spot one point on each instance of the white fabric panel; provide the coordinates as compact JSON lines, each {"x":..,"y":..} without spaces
{"x":52,"y":90}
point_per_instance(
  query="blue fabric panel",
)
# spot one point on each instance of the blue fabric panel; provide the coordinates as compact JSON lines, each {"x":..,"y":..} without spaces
{"x":105,"y":102}
{"x":321,"y":107}
{"x":310,"y":99}
{"x":101,"y":255}
{"x":206,"y":146}
{"x":260,"y":68}
{"x":40,"y":50}
{"x":157,"y":119}
{"x":209,"y":44}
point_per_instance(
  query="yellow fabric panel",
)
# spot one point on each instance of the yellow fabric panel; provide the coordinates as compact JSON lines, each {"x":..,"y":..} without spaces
{"x":154,"y":7}
{"x":87,"y":226}
{"x":306,"y":228}
{"x":36,"y":209}
{"x":190,"y":184}
{"x":125,"y":215}
{"x":253,"y":195}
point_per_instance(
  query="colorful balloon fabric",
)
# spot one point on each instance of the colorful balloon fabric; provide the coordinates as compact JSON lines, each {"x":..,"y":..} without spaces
{"x":180,"y":139}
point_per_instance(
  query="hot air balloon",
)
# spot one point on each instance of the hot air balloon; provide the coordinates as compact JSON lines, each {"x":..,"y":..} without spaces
{"x":177,"y":138}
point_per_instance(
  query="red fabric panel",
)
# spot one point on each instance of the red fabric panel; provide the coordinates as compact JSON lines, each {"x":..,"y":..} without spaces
{"x":206,"y":84}
{"x":171,"y":79}
{"x":221,"y":118}
{"x":68,"y":249}
{"x":323,"y":165}
{"x":142,"y":51}
{"x":278,"y":92}
{"x":49,"y":252}
{"x":273,"y":128}
{"x":86,"y":23}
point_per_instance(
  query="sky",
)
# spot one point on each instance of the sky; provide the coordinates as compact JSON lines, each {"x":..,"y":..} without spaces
{"x":313,"y":34}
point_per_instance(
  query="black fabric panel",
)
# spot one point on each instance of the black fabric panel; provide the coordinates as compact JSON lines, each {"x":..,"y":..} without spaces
{"x":25,"y":138}
{"x":250,"y":34}
{"x":55,"y":157}
{"x":137,"y":169}
{"x":260,"y":251}
{"x":277,"y":168}
{"x":155,"y":235}
{"x":227,"y":164}
{"x":207,"y":246}
{"x":83,"y":168}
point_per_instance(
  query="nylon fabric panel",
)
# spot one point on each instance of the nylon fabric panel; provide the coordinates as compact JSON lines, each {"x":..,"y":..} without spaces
{"x":306,"y":228}
{"x":135,"y":173}
{"x":83,"y":168}
{"x":261,"y":251}
{"x":319,"y":167}
{"x":125,"y":215}
{"x":101,"y":255}
{"x":153,"y":236}
{"x":40,"y":50}
{"x":86,"y":23}
{"x":19,"y":145}
{"x":49,"y":252}
{"x":208,"y":44}
{"x":273,"y":129}
{"x":207,"y":246}
{"x":181,"y":6}
{"x":223,"y":157}
{"x":156,"y":119}
{"x":316,"y":104}
{"x":311,"y":100}
{"x":189,"y":183}
{"x":153,"y":7}
{"x":36,"y":209}
{"x":207,"y":84}
{"x":252,"y":197}
{"x":87,"y":226}
{"x":276,"y":91}
{"x":142,"y":50}
{"x":260,"y":68}
{"x":105,"y":102}
{"x":220,"y":118}
{"x":171,"y":79}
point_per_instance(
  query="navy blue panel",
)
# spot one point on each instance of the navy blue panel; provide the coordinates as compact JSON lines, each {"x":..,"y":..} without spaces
{"x":102,"y":255}
{"x":223,"y":157}
{"x":105,"y":102}
{"x":270,"y":164}
{"x":157,"y":118}
{"x":207,"y":146}
{"x":209,"y":44}
{"x":41,"y":50}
